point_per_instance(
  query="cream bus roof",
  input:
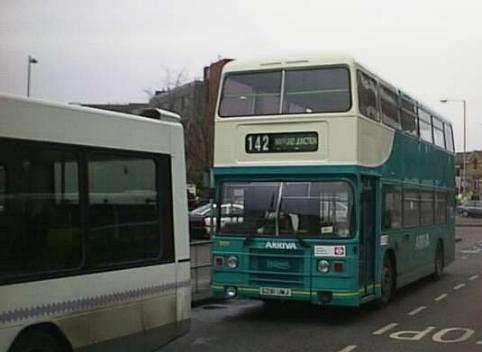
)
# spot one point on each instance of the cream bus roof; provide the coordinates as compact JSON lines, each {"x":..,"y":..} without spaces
{"x":289,"y":61}
{"x":36,"y":119}
{"x":314,"y":60}
{"x":57,"y":106}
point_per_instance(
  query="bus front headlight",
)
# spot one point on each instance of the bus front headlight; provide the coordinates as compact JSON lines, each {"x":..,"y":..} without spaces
{"x":232,"y":262}
{"x":323,"y":266}
{"x":231,"y":292}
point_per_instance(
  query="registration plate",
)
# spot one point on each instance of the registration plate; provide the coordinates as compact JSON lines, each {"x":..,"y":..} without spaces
{"x":275,"y":291}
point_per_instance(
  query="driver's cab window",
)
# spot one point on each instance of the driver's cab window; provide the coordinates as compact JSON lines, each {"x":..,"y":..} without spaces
{"x":210,"y":212}
{"x":236,"y":210}
{"x":231,"y":214}
{"x":316,"y":208}
{"x":225,"y":210}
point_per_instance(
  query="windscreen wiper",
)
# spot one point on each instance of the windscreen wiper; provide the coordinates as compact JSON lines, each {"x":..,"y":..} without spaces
{"x":302,"y":242}
{"x":247,"y":240}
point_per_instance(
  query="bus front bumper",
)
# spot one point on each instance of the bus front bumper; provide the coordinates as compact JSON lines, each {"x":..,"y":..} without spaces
{"x":327,"y":297}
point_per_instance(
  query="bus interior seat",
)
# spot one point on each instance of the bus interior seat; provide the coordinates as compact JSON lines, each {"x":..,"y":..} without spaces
{"x":306,"y":211}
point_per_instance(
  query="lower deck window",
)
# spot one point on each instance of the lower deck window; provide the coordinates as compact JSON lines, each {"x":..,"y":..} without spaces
{"x":426,"y":208}
{"x":289,"y":208}
{"x":440,"y":208}
{"x":66,"y":210}
{"x":39,"y":210}
{"x":411,"y":208}
{"x":392,"y":207}
{"x":3,"y":186}
{"x":123,"y":209}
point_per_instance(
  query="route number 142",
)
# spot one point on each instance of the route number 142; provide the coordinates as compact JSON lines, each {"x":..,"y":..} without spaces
{"x":257,"y":143}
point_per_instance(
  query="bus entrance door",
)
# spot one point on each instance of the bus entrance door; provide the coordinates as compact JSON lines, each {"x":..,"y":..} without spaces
{"x":367,"y":235}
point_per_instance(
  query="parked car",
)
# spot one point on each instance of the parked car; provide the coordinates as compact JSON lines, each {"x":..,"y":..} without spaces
{"x":197,"y":227}
{"x":470,"y":208}
{"x":192,"y":200}
{"x":230,"y":213}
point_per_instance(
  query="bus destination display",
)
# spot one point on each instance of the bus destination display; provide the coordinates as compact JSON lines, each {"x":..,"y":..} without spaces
{"x":281,"y":142}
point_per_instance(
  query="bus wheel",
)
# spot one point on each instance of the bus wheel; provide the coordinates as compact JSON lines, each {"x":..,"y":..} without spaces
{"x":388,"y":283}
{"x":36,"y":341}
{"x":438,"y":262}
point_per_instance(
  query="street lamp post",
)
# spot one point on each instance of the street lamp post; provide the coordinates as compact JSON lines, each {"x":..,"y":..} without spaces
{"x":464,"y":171}
{"x":31,"y":60}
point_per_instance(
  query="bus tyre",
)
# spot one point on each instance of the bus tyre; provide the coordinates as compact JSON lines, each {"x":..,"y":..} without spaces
{"x":438,"y":263}
{"x":36,"y":341}
{"x":388,"y":283}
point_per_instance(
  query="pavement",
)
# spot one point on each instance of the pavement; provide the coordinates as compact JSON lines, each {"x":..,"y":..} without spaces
{"x":468,"y":221}
{"x":426,"y":316}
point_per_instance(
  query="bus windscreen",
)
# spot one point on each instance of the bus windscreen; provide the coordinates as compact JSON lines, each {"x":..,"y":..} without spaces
{"x":288,"y":208}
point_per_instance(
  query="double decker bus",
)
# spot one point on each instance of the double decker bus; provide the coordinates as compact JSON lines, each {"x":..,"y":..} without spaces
{"x":337,"y":187}
{"x":94,"y":244}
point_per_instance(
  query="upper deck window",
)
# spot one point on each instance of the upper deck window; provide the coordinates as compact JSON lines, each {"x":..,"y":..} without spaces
{"x":449,"y":139}
{"x":251,"y":94}
{"x":425,"y":125}
{"x":318,"y":90}
{"x":368,"y":96}
{"x":389,"y":106}
{"x":438,"y":132}
{"x":408,"y":115}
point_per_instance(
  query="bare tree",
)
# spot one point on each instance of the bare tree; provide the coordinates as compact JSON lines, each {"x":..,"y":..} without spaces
{"x":187,"y":99}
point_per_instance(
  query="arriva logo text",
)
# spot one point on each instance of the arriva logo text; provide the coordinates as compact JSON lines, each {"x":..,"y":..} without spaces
{"x":280,"y":245}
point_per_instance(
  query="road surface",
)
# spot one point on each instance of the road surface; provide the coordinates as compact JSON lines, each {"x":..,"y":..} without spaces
{"x":425,"y":316}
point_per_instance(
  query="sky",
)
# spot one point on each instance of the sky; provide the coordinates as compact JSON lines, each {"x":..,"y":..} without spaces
{"x":105,"y":51}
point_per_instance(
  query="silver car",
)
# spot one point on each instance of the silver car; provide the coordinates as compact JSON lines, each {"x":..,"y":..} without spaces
{"x":230,"y":213}
{"x":470,"y":208}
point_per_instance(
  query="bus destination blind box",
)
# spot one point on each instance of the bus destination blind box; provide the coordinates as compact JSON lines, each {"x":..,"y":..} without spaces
{"x":281,"y":142}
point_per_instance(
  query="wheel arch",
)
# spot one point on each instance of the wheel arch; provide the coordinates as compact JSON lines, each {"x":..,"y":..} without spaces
{"x":390,"y":253}
{"x":49,"y":328}
{"x":440,"y":242}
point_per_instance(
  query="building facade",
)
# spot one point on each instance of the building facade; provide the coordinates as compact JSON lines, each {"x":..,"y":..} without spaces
{"x":473,"y":173}
{"x":196,"y":103}
{"x":188,"y":101}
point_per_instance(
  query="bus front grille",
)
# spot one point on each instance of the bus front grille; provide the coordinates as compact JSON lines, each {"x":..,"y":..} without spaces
{"x":275,"y":268}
